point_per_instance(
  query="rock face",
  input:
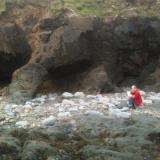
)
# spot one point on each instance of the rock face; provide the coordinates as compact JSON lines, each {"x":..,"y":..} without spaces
{"x":22,"y":89}
{"x":65,"y":53}
{"x":14,"y":49}
{"x":73,"y":52}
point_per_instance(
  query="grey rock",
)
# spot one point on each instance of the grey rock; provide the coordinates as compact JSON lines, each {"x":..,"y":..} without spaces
{"x":67,"y":95}
{"x":50,"y":121}
{"x":38,"y":150}
{"x":9,"y":147}
{"x":79,"y":94}
{"x":22,"y":124}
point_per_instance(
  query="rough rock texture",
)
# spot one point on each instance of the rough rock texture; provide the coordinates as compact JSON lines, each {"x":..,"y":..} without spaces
{"x":24,"y":83}
{"x":72,"y":52}
{"x":14,"y":49}
{"x":67,"y":52}
{"x":80,"y":126}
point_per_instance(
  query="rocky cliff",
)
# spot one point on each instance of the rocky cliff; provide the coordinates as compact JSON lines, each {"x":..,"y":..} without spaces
{"x":45,"y":51}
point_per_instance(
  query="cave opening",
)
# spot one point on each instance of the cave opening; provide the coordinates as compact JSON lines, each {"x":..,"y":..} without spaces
{"x":67,"y":75}
{"x":9,"y":62}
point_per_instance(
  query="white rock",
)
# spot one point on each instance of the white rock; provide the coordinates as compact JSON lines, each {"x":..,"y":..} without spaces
{"x":94,"y":113}
{"x":110,"y":105}
{"x":119,"y":114}
{"x":103,"y":100}
{"x":61,"y":109}
{"x":83,"y":103}
{"x":79,"y":94}
{"x":28,"y":103}
{"x":91,"y":97}
{"x":124,"y":109}
{"x":14,"y":106}
{"x":155,"y":99}
{"x":64,"y":114}
{"x":56,"y":105}
{"x":7,"y":108}
{"x":27,"y":106}
{"x":73,"y":109}
{"x":68,"y":102}
{"x":67,"y":95}
{"x":50,"y":121}
{"x":12,"y":114}
{"x":39,"y":99}
{"x":147,"y":102}
{"x":44,"y":96}
{"x":22,"y":124}
{"x":52,"y":98}
{"x":82,"y":107}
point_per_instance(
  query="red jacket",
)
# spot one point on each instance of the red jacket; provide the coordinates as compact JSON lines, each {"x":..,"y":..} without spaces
{"x":137,"y":98}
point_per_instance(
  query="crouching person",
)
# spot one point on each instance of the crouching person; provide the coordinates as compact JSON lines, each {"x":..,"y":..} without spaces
{"x":135,"y":98}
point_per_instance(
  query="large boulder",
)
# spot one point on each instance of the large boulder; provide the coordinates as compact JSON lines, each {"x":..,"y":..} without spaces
{"x":97,"y":80}
{"x":25,"y":82}
{"x":38,"y":150}
{"x":14,"y":49}
{"x":71,"y":51}
{"x":9,"y":148}
{"x":67,"y":52}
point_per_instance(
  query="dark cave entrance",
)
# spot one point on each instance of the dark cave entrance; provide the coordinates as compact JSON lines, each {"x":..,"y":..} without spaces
{"x":65,"y":77}
{"x":9,"y":62}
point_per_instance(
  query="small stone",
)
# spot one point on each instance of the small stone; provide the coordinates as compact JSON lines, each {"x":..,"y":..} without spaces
{"x":28,"y":103}
{"x":91,"y":97}
{"x":14,"y":106}
{"x":103,"y":100}
{"x":82,"y":107}
{"x":73,"y":109}
{"x":27,"y":106}
{"x":119,"y":114}
{"x":68,"y":102}
{"x":110,"y":105}
{"x":155,"y":99}
{"x":147,"y":102}
{"x":67,"y":95}
{"x":94,"y":113}
{"x":79,"y":94}
{"x":65,"y":114}
{"x":50,"y":121}
{"x":22,"y":124}
{"x":125,"y":109}
{"x":39,"y":99}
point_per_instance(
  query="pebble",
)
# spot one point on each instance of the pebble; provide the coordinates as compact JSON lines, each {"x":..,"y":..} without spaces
{"x":22,"y":124}
{"x":147,"y":102}
{"x":68,"y":102}
{"x":67,"y":95}
{"x":71,"y":106}
{"x":50,"y":121}
{"x":119,"y":114}
{"x":64,"y":114}
{"x":94,"y":113}
{"x":79,"y":94}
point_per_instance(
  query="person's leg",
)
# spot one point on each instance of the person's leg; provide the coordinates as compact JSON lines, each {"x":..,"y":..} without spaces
{"x":131,"y":103}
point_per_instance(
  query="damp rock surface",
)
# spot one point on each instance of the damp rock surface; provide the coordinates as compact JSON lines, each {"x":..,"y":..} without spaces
{"x":90,"y":127}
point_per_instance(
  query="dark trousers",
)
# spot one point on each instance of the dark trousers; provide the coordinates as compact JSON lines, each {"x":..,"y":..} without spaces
{"x":131,"y":103}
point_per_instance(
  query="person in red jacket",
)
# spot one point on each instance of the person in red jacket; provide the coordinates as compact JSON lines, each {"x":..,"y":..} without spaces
{"x":135,"y":98}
